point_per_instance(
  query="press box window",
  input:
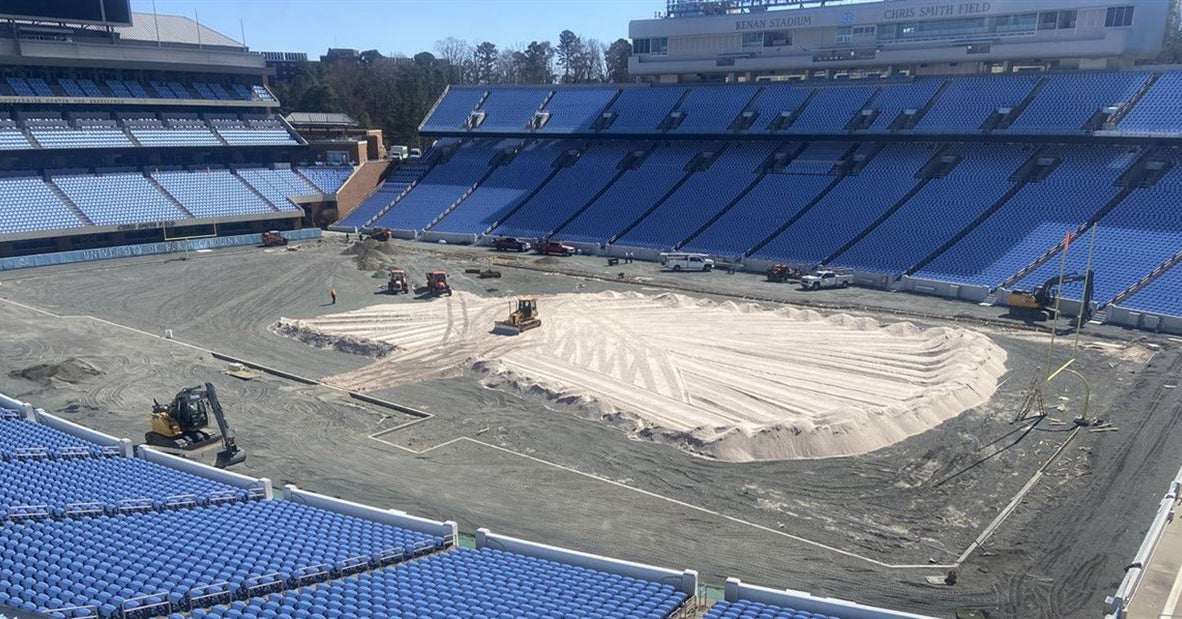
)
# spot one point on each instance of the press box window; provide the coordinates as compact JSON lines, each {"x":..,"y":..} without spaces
{"x":1118,"y":16}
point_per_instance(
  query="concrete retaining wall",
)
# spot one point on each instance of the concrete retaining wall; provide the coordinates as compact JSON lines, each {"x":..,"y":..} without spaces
{"x":685,"y":581}
{"x":447,"y":530}
{"x":146,"y":249}
{"x":975,"y":294}
{"x":409,"y":235}
{"x":1148,"y":321}
{"x":736,"y":591}
{"x":13,"y":404}
{"x":82,"y":432}
{"x":453,"y":238}
{"x":204,"y":470}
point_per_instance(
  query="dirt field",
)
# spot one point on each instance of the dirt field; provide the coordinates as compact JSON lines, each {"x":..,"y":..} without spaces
{"x":869,"y":527}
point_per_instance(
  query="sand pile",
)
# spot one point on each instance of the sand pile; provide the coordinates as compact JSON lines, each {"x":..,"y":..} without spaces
{"x":343,"y":343}
{"x":372,"y":255}
{"x":732,"y":381}
{"x":71,"y":370}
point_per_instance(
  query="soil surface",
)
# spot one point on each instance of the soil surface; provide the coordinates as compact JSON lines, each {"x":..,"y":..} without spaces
{"x":869,"y":527}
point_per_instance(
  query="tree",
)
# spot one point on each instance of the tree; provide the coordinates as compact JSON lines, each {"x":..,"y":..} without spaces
{"x":536,"y":62}
{"x":616,"y":61}
{"x":592,"y":61}
{"x":1171,"y":51}
{"x":570,"y":52}
{"x":485,"y":63}
{"x":458,"y":55}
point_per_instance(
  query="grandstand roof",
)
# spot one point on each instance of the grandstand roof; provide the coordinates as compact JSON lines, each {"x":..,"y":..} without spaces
{"x":176,"y":29}
{"x":321,"y":118}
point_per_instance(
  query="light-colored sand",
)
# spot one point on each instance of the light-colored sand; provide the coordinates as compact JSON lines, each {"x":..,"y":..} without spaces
{"x":731,"y":381}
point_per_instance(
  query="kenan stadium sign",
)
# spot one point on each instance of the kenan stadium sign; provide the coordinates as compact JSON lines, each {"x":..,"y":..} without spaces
{"x":769,"y":23}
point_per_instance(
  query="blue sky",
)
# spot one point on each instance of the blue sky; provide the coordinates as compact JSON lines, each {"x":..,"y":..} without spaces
{"x":406,"y":26}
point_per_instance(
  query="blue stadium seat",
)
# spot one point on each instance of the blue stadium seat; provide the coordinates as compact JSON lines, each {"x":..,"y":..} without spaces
{"x":27,"y":204}
{"x":968,"y":102}
{"x":212,"y":193}
{"x":278,"y":186}
{"x":774,"y":100}
{"x":641,"y":109}
{"x":1131,"y":240}
{"x":937,"y":212}
{"x":567,"y":192}
{"x":759,"y":610}
{"x":769,"y":204}
{"x":119,"y":198}
{"x":1159,"y":112}
{"x":1034,"y":220}
{"x":442,"y":186}
{"x":24,"y":437}
{"x":1161,"y":296}
{"x":511,"y":109}
{"x":700,"y":198}
{"x":712,"y":109}
{"x":1068,"y":101}
{"x":633,"y":194}
{"x":59,"y":483}
{"x":452,"y":111}
{"x":328,"y":179}
{"x":502,"y":190}
{"x":831,"y":109}
{"x":574,"y":109}
{"x":403,"y":177}
{"x":470,"y":584}
{"x":894,"y":99}
{"x":108,"y":560}
{"x":850,"y":207}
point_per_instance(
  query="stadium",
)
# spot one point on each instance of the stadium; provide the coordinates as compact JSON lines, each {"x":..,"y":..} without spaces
{"x":967,"y":407}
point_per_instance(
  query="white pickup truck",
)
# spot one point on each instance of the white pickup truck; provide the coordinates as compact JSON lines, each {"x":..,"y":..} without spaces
{"x":827,"y":279}
{"x":686,"y":262}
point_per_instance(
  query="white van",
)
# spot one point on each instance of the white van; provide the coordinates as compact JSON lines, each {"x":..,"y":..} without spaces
{"x":686,"y":262}
{"x":399,"y":152}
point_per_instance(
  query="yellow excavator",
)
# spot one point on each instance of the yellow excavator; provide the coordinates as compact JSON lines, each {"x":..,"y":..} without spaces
{"x":524,"y":318}
{"x":1039,"y":304}
{"x":183,"y":424}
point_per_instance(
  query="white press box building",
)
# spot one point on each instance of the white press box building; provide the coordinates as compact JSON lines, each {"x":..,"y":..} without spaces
{"x":743,"y":40}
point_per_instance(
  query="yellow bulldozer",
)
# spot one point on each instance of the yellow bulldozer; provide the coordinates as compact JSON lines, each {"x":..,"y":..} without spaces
{"x":523,"y":318}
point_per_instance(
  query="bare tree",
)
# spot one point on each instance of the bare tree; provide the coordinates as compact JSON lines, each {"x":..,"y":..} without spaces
{"x":457,"y":54}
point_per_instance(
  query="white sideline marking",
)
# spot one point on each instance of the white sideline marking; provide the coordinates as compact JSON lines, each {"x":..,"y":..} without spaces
{"x":988,"y":531}
{"x":663,"y":498}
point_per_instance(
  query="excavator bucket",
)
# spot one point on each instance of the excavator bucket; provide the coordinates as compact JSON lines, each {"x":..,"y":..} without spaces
{"x":230,"y":457}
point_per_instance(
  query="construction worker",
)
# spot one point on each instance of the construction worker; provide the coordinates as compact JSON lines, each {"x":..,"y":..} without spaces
{"x":332,"y":292}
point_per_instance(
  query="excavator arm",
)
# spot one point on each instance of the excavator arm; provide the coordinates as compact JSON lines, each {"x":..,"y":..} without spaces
{"x":231,"y":454}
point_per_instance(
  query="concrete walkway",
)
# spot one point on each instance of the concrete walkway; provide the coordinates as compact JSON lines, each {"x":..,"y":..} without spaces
{"x":1159,"y":595}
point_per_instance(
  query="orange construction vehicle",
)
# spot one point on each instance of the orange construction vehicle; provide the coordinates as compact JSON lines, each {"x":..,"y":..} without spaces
{"x":272,"y":238}
{"x":397,"y":283}
{"x":437,"y":284}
